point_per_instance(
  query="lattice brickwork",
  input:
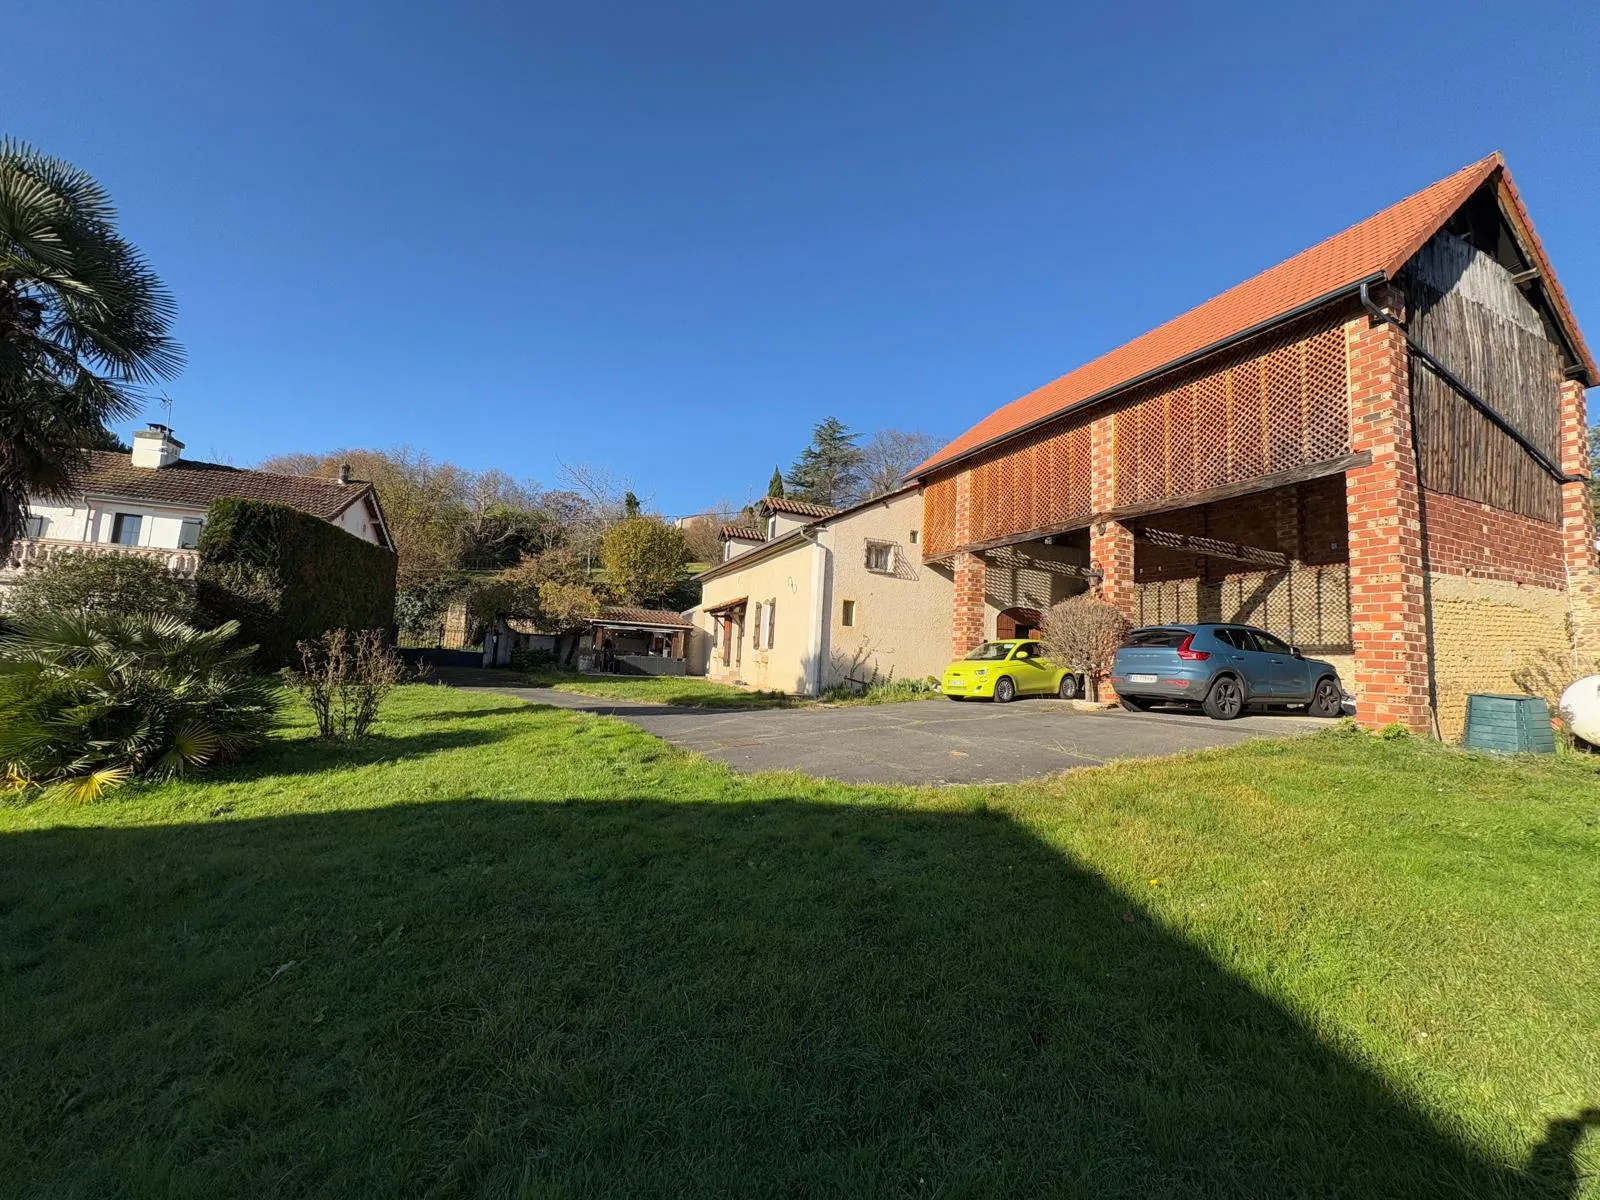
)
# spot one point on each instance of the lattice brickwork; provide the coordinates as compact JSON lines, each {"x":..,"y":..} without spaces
{"x":939,"y":517}
{"x":1283,"y":405}
{"x":1036,"y":486}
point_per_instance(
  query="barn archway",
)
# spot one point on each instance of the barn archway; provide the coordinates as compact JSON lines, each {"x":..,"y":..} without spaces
{"x":1017,"y":623}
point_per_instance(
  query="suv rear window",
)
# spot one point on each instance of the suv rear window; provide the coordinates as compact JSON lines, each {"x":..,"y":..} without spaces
{"x":1156,"y":637}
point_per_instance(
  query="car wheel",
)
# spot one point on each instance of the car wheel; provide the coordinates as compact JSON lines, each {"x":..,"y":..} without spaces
{"x":1069,"y":689}
{"x":1004,"y":690}
{"x":1134,"y":703}
{"x":1225,"y":700}
{"x":1328,"y":699}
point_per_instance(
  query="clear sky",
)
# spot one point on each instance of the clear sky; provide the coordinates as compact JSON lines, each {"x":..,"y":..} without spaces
{"x":668,"y":238}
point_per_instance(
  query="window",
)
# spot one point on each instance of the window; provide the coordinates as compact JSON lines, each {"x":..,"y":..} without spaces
{"x":1265,"y":641}
{"x":1029,"y":649}
{"x":1239,"y":639}
{"x":847,"y":618}
{"x":1158,"y":637}
{"x":35,"y":527}
{"x":189,"y":533}
{"x":125,"y":528}
{"x":989,"y":652}
{"x":880,"y":556}
{"x":913,"y":537}
{"x":772,"y":528}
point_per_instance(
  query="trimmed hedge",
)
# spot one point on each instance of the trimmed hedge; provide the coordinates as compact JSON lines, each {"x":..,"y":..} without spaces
{"x":287,"y":577}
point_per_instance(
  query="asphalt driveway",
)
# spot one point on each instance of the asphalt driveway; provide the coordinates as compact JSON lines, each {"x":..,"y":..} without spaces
{"x":929,"y":741}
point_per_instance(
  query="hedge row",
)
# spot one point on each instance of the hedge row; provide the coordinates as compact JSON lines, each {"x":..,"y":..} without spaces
{"x":287,"y":576}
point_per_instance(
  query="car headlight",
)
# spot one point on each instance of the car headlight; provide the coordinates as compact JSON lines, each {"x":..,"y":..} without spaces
{"x":981,"y":671}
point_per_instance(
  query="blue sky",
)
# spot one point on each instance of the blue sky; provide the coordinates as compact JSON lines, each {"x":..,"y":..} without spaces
{"x":666,"y":239}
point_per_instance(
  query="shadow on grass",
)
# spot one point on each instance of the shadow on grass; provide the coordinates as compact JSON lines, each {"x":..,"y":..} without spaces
{"x":600,"y":998}
{"x":310,"y":756}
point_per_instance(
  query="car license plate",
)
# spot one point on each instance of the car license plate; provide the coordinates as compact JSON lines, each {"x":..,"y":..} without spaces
{"x":1141,"y":678}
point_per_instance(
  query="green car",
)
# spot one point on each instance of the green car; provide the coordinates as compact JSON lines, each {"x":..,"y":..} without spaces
{"x":1002,"y":671}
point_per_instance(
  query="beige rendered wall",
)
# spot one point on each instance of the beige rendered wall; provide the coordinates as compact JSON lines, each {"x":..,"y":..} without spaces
{"x":788,"y":578}
{"x":1484,"y":631}
{"x":902,"y":617}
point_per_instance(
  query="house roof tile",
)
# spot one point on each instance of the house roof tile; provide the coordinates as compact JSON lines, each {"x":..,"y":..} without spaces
{"x":621,"y":614}
{"x":747,"y":533}
{"x":187,"y":483}
{"x":1380,"y":245}
{"x":799,"y":508}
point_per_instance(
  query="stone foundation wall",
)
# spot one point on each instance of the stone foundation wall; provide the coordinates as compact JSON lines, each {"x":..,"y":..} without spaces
{"x":1484,"y":630}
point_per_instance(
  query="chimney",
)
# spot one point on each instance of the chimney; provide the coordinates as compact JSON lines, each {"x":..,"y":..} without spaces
{"x":155,"y":447}
{"x":344,"y":472}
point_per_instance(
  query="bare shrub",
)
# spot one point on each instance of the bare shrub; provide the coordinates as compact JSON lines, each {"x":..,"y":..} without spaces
{"x":1548,"y":674}
{"x":344,"y":677}
{"x":1084,"y":634}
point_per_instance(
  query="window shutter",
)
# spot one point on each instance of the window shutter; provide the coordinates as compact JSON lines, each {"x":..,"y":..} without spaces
{"x":755,"y":630}
{"x":772,"y":613}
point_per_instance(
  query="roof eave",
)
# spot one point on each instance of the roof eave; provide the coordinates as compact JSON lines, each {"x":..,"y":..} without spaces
{"x":1343,"y":292}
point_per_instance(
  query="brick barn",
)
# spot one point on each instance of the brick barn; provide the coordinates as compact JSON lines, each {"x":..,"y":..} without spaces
{"x":1375,"y":450}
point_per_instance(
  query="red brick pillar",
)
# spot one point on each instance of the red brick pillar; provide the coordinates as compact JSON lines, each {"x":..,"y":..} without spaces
{"x":1110,"y":542}
{"x":1111,"y":553}
{"x":1383,"y":508}
{"x":969,"y":615}
{"x":1577,"y":527}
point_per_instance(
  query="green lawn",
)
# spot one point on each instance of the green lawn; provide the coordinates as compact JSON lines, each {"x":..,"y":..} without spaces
{"x":691,"y":691}
{"x":512,"y":951}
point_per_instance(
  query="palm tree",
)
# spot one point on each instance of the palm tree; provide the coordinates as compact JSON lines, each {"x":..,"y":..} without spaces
{"x":83,"y":323}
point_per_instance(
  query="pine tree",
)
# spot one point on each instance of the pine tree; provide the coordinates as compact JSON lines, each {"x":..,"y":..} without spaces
{"x":630,"y":505}
{"x":828,"y":471}
{"x":775,"y":487}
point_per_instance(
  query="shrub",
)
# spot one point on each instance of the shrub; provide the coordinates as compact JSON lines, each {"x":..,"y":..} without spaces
{"x":115,"y":583}
{"x":344,"y":677}
{"x":288,"y":577}
{"x":1084,"y":634}
{"x":89,"y":699}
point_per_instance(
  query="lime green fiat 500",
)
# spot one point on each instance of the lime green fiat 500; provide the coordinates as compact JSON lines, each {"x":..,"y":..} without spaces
{"x":1004,"y":670}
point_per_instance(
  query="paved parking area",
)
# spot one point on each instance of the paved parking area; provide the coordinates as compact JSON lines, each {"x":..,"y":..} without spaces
{"x":930,"y":741}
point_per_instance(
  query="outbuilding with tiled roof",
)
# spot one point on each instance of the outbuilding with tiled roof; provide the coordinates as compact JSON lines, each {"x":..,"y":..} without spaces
{"x":1374,"y":450}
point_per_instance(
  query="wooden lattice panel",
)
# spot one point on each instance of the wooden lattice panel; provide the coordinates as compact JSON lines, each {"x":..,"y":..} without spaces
{"x":1040,"y":485}
{"x":939,"y":517}
{"x":1281,"y":404}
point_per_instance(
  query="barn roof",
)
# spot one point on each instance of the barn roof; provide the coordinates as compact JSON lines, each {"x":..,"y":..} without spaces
{"x":1370,"y":251}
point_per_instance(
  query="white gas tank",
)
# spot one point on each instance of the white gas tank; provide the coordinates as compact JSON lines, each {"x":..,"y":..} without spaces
{"x":1582,"y":702}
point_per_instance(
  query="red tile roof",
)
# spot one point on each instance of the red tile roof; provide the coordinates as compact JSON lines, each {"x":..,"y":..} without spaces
{"x":193,"y":484}
{"x":1380,"y":245}
{"x":620,"y":614}
{"x":745,"y":533}
{"x":799,"y":508}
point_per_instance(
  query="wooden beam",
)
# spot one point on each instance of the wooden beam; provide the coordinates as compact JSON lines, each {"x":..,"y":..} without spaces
{"x":1209,"y":547}
{"x":1529,"y":276}
{"x":1226,"y":491}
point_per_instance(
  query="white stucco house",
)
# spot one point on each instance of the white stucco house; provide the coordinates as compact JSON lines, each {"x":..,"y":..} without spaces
{"x":808,"y":597}
{"x":152,"y":503}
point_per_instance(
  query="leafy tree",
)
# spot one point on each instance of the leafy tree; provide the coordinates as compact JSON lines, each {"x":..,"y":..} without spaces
{"x":887,"y":458}
{"x":90,"y":699}
{"x":84,"y":322}
{"x":630,"y":505}
{"x":110,"y":583}
{"x":775,"y":485}
{"x":644,"y":559}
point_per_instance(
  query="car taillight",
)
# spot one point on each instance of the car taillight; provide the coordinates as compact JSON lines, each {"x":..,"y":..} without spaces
{"x":1189,"y":654}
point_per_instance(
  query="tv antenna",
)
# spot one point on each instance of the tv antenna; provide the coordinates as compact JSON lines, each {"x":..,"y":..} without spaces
{"x":166,"y":409}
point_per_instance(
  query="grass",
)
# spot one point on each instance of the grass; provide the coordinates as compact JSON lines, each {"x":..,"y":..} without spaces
{"x":513,"y":951}
{"x":690,"y":691}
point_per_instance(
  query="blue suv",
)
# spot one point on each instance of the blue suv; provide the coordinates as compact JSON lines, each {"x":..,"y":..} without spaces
{"x":1223,"y":668}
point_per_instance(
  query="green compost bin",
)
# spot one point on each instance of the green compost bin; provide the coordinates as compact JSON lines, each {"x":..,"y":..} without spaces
{"x":1509,"y":725}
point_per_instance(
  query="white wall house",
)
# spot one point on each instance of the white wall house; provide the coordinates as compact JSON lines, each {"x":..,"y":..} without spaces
{"x":152,"y":502}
